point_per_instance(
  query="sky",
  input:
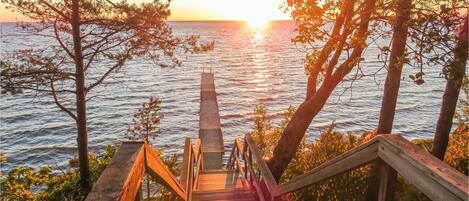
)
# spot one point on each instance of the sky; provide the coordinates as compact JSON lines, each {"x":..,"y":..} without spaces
{"x":194,"y":10}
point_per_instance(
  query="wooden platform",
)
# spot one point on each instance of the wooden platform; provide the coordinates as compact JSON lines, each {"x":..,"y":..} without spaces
{"x":209,"y":126}
{"x":222,"y":185}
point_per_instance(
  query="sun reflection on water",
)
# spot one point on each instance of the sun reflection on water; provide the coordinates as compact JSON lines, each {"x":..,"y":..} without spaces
{"x":259,"y":70}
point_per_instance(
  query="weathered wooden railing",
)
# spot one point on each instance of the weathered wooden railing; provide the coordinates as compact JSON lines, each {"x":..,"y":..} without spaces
{"x":122,"y":178}
{"x":434,"y":178}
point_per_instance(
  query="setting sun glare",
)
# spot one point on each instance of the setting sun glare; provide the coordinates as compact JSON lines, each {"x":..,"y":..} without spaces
{"x":256,"y":13}
{"x":257,"y":22}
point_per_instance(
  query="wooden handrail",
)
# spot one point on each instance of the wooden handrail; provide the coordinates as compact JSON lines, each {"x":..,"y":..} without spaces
{"x":237,"y":147}
{"x":157,"y":169}
{"x":186,"y":164}
{"x":433,"y":177}
{"x":121,"y":178}
{"x":350,"y":160}
{"x":262,"y":165}
{"x":199,"y":161}
{"x":192,"y":159}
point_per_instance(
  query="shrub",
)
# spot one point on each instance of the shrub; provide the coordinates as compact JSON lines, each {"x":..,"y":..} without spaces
{"x":26,"y":183}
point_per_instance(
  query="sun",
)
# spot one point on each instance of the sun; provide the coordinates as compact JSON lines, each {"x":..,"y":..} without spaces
{"x":257,"y":21}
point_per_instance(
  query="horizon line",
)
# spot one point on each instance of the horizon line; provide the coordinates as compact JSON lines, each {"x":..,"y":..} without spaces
{"x":279,"y":20}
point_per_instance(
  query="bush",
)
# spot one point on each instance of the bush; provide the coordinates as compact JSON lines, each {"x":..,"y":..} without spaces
{"x":330,"y":144}
{"x":457,"y":153}
{"x":26,"y":183}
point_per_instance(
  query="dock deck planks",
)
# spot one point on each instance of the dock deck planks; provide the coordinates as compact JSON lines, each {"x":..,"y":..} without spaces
{"x":215,"y":183}
{"x":210,"y":127}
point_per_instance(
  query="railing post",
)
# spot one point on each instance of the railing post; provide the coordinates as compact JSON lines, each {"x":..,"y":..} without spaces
{"x":186,"y":167}
{"x":387,"y":181}
{"x":245,"y":162}
{"x":250,"y":164}
{"x":191,"y":176}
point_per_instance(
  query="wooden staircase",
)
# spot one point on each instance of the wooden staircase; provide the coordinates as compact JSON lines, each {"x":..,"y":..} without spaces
{"x":246,"y":175}
{"x":222,"y":185}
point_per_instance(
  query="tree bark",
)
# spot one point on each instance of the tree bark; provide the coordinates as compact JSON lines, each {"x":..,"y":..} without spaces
{"x":311,"y":85}
{"x":296,"y":128}
{"x":82,"y":138}
{"x":450,"y":96}
{"x":388,"y":105}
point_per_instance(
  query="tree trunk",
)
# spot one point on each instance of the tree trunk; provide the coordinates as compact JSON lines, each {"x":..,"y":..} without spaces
{"x":311,"y":85}
{"x":296,"y":128}
{"x":82,"y":138}
{"x":388,"y":105}
{"x":450,"y":96}
{"x":294,"y":131}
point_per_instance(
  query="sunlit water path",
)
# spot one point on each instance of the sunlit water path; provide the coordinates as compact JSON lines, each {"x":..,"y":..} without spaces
{"x":252,"y":66}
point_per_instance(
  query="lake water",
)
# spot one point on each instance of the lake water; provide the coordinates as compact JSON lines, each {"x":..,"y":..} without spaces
{"x":252,"y":66}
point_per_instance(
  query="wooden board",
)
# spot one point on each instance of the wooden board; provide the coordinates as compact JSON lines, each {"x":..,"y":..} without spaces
{"x":209,"y":125}
{"x":434,"y":178}
{"x":219,"y":179}
{"x":121,"y":178}
{"x":350,"y":160}
{"x":157,"y":169}
{"x":222,"y":185}
{"x":224,"y":195}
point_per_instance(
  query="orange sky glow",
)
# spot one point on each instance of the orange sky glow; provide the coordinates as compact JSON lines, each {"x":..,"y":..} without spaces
{"x":253,"y":11}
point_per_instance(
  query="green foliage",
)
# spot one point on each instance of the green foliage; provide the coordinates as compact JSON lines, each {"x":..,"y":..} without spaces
{"x":348,"y":186}
{"x":433,"y":33}
{"x":330,"y":144}
{"x":463,"y":114}
{"x":457,"y":152}
{"x":264,"y":134}
{"x":26,"y":183}
{"x":418,"y":78}
{"x":19,"y":183}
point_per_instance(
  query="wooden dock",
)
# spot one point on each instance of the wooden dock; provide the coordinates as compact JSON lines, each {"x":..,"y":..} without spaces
{"x":246,"y":176}
{"x":209,"y":126}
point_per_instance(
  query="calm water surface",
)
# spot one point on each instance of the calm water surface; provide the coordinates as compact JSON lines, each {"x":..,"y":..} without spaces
{"x":252,"y":66}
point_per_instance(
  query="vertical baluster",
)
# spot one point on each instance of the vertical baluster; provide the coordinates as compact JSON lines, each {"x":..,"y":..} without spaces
{"x":191,"y":176}
{"x":237,"y":157}
{"x":250,"y":164}
{"x":386,"y":187}
{"x":246,"y":159}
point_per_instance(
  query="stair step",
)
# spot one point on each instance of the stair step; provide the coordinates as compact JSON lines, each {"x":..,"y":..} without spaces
{"x":236,"y":194}
{"x":219,"y":179}
{"x":216,"y":171}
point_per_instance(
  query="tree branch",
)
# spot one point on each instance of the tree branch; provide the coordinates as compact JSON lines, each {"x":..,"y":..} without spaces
{"x":55,"y":9}
{"x":119,"y":64}
{"x":57,"y":36}
{"x":56,"y":101}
